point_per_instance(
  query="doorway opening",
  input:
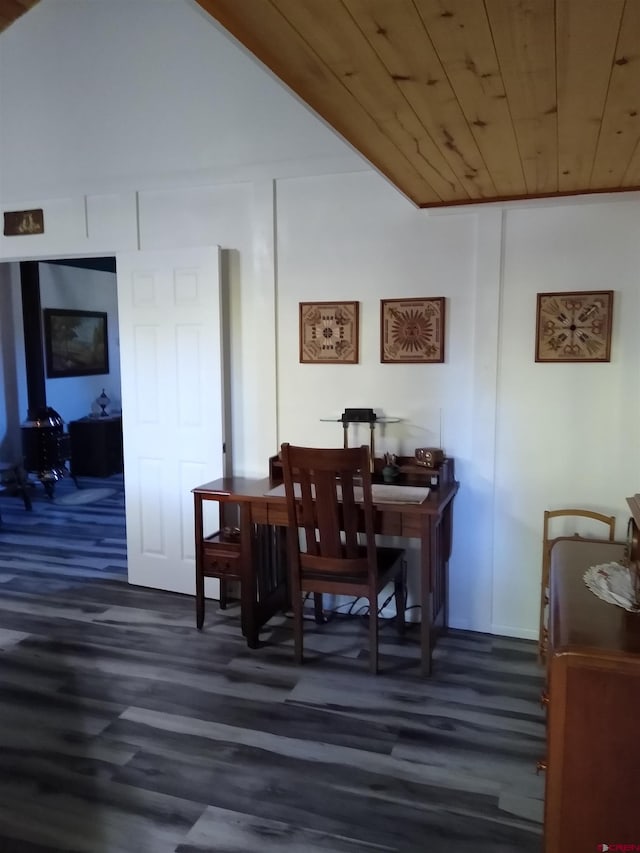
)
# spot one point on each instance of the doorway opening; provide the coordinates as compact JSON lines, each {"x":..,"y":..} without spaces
{"x":70,"y":400}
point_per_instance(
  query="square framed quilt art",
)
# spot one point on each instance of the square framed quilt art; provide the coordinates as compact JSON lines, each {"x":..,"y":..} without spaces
{"x":329,"y":332}
{"x":574,"y":326}
{"x":412,"y":330}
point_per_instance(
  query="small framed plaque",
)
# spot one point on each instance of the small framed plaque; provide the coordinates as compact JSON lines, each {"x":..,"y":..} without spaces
{"x":18,"y":223}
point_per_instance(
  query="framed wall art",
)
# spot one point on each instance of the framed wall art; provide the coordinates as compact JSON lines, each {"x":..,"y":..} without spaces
{"x":329,"y":332}
{"x":76,"y":342}
{"x":412,"y":330}
{"x":574,"y":326}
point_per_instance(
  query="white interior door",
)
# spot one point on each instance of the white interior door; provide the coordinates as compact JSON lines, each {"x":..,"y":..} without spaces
{"x":171,"y":366}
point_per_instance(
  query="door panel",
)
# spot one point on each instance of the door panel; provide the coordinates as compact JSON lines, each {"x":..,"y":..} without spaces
{"x":170,"y":354}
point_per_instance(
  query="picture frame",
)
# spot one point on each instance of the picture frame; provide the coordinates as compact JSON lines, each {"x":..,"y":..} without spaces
{"x":76,"y":342}
{"x":412,"y":331}
{"x":573,"y":326}
{"x":329,"y":332}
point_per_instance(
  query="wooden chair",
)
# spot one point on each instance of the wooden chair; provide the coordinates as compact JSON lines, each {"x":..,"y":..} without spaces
{"x":328,"y":493}
{"x":547,"y":543}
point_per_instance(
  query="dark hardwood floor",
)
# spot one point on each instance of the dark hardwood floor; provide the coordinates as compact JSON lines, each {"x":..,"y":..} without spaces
{"x":122,"y":728}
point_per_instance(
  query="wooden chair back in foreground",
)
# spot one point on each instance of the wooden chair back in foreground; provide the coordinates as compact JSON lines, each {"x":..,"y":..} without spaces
{"x":329,"y":506}
{"x":547,"y":541}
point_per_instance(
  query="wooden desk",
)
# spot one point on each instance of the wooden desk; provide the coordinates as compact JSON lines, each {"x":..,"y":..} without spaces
{"x":258,"y":556}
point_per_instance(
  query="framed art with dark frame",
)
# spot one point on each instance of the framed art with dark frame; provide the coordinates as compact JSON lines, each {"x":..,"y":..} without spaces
{"x":412,"y":330}
{"x":574,"y":326}
{"x":76,"y":342}
{"x":329,"y":332}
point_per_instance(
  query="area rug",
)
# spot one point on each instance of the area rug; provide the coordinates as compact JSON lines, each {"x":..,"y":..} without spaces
{"x":80,"y":497}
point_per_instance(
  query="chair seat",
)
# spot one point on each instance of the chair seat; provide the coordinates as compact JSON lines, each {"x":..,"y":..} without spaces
{"x":387,"y":559}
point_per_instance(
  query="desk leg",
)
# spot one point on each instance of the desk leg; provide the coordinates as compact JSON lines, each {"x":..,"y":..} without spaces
{"x":446,"y":531}
{"x":248,"y":584}
{"x":426,"y":547}
{"x":199,"y":533}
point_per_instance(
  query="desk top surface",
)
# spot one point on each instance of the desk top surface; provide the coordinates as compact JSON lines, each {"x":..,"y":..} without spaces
{"x":248,"y":489}
{"x":579,"y":620}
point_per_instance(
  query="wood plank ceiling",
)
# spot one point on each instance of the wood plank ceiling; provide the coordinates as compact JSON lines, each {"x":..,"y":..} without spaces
{"x":10,"y":10}
{"x":460,"y":101}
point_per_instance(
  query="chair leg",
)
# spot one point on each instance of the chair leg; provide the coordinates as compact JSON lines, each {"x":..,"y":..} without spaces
{"x":298,"y":646}
{"x":223,"y":594}
{"x":373,"y":632}
{"x":400,"y":591}
{"x":23,"y":487}
{"x":317,"y":608}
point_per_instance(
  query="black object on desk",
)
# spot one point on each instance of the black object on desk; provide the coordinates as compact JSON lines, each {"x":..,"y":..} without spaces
{"x":96,"y":446}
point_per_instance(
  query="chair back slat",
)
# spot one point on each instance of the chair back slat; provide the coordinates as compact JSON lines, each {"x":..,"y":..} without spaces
{"x":332,"y":488}
{"x":328,"y":522}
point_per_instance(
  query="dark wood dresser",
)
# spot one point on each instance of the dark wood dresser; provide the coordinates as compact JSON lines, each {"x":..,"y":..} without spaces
{"x":593,"y":758}
{"x":96,"y":446}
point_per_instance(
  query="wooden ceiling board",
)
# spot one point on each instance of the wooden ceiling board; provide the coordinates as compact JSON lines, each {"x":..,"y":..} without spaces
{"x":11,"y":10}
{"x":620,"y":129}
{"x":260,"y":27}
{"x":586,"y":36}
{"x":460,"y":33}
{"x":333,"y":35}
{"x":524,"y":36}
{"x":397,"y":35}
{"x":459,"y":101}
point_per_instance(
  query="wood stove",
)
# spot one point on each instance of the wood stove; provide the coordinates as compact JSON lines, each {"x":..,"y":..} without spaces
{"x":45,"y":447}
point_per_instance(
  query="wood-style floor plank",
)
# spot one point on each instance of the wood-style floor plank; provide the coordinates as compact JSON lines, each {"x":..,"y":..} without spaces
{"x":123,"y":728}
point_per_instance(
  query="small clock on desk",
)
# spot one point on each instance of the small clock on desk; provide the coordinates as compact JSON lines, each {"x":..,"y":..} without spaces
{"x":429,"y":457}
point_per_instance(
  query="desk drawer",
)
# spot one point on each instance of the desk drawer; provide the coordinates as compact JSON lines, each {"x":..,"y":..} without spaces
{"x":412,"y":526}
{"x":221,"y":563}
{"x":388,"y":522}
{"x":278,"y":515}
{"x":221,"y":558}
{"x":260,"y":512}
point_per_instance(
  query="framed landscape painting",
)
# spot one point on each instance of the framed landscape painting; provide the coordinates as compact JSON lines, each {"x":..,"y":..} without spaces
{"x":76,"y":342}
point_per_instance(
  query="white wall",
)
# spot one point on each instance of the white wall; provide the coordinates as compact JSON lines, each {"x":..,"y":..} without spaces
{"x":353,"y":237}
{"x":567,"y":434}
{"x":106,"y":96}
{"x":309,"y":227}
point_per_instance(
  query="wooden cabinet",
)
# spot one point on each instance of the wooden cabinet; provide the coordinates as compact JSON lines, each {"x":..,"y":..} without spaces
{"x":96,"y":446}
{"x":593,"y":759}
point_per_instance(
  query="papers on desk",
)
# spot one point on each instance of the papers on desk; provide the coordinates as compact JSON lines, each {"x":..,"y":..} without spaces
{"x":381,"y":493}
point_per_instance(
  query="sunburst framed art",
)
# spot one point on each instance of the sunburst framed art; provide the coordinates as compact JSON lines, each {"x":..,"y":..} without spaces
{"x":412,"y":330}
{"x":329,"y":332}
{"x":574,"y":326}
